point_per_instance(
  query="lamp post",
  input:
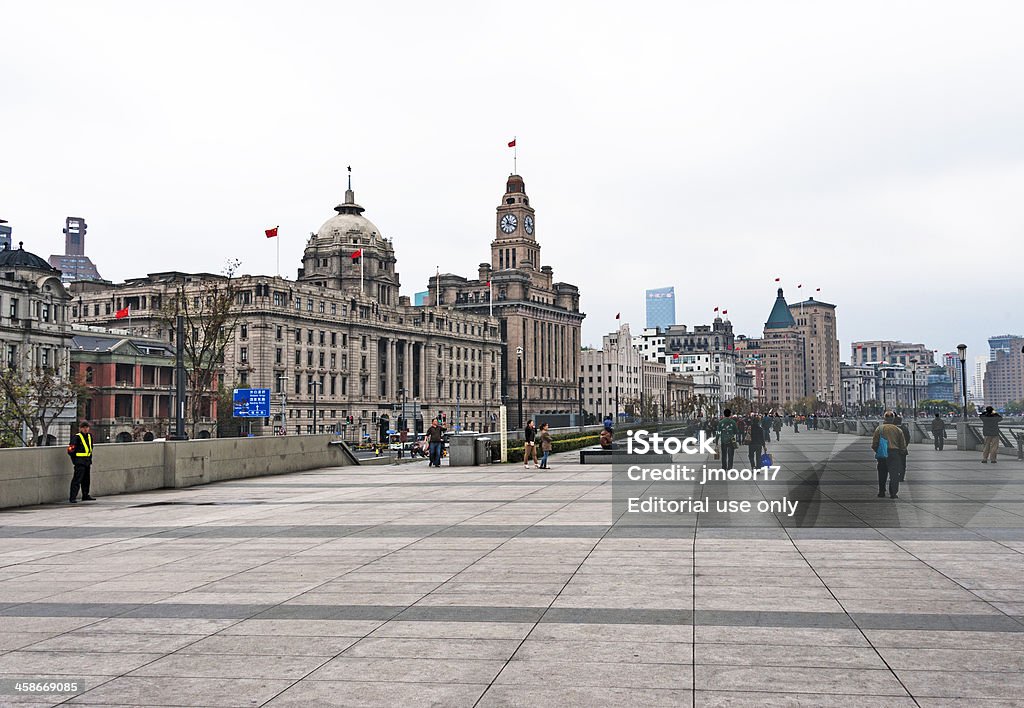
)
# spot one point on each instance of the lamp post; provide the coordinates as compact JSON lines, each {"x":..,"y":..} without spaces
{"x":832,"y":399}
{"x":961,"y":350}
{"x":283,"y":380}
{"x":581,"y":423}
{"x":316,"y":421}
{"x":913,"y":373}
{"x":519,"y":386}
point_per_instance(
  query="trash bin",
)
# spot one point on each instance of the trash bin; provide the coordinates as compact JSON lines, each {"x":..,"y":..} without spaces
{"x":462,"y":450}
{"x":483,"y":454}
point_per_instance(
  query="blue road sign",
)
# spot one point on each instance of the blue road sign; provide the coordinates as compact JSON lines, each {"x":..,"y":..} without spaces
{"x":251,"y":403}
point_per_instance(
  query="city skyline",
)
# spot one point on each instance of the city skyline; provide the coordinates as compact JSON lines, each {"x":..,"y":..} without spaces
{"x":808,"y":171}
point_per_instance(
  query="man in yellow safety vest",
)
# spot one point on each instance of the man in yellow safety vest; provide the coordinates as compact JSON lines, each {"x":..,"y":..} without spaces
{"x":80,"y":452}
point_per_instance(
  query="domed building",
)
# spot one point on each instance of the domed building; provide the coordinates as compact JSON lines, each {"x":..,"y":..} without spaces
{"x":35,"y":334}
{"x":339,"y":348}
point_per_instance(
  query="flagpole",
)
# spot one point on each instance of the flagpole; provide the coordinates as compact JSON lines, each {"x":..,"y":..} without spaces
{"x":361,"y":259}
{"x":278,"y":239}
{"x":129,"y":319}
{"x":490,"y":296}
{"x":515,"y":155}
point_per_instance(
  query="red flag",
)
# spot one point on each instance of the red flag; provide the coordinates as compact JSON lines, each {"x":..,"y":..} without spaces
{"x":716,"y":309}
{"x":800,"y":285}
{"x":778,"y":279}
{"x":617,"y":313}
{"x":356,"y":254}
{"x":725,"y":312}
{"x":121,"y":314}
{"x":271,"y":233}
{"x":512,"y":144}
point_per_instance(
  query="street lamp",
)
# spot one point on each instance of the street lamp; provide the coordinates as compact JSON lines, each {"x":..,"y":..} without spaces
{"x":519,"y":384}
{"x":316,"y":421}
{"x":283,"y":379}
{"x":962,"y":352}
{"x":913,"y":372}
{"x":832,"y":399}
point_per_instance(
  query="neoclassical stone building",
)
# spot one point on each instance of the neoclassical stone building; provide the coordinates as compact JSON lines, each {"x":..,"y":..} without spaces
{"x":539,"y":319}
{"x":339,"y":330}
{"x":35,"y":334}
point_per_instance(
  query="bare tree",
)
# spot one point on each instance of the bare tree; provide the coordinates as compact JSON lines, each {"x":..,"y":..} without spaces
{"x":34,"y":398}
{"x":210,"y":309}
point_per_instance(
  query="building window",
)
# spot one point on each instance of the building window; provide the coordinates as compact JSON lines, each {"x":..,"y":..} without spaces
{"x":278,"y":354}
{"x":279,"y":333}
{"x":243,"y":331}
{"x":89,"y":374}
{"x":334,"y":308}
{"x":323,"y":338}
{"x":243,"y":355}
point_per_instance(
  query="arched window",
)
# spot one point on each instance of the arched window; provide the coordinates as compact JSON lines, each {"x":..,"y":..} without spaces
{"x":88,"y":374}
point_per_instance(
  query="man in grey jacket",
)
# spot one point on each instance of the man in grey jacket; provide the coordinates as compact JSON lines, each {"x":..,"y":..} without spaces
{"x":990,"y":431}
{"x":938,"y":431}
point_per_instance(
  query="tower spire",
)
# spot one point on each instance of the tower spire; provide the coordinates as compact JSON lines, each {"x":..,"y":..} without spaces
{"x":350,"y":196}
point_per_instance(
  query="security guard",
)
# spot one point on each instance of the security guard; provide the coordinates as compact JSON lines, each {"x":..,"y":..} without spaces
{"x":80,"y":452}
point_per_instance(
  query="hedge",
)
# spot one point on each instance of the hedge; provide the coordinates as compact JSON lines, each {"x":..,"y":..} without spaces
{"x":559,"y":443}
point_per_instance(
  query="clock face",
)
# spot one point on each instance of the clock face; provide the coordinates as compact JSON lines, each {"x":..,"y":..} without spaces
{"x":508,"y":223}
{"x":528,"y":224}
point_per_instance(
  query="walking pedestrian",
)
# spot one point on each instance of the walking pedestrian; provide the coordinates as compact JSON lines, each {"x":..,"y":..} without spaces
{"x":990,"y":431}
{"x":766,"y":426}
{"x":545,"y":445}
{"x":777,"y":426}
{"x":904,"y":427}
{"x":435,"y":436}
{"x":938,"y":431}
{"x":80,"y":452}
{"x":741,"y":427}
{"x":892,"y":459}
{"x":726,"y":432}
{"x":529,"y":444}
{"x":756,"y":443}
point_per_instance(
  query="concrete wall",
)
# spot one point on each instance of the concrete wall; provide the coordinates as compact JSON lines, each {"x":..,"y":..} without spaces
{"x":42,"y":475}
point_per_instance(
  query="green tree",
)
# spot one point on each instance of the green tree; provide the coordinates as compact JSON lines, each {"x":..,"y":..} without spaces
{"x":210,"y":309}
{"x":33,"y":399}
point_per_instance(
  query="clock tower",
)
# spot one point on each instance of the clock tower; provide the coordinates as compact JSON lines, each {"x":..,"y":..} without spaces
{"x":515,"y":245}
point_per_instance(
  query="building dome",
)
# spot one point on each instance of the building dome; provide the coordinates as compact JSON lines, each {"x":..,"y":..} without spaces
{"x":348,"y":221}
{"x":20,"y":258}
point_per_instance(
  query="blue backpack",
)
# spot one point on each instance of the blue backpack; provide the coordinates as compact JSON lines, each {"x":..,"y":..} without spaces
{"x":882,"y":453}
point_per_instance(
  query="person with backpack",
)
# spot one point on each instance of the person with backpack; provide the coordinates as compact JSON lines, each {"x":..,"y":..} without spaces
{"x":80,"y":452}
{"x":756,"y":443}
{"x":726,"y":432}
{"x":545,"y":446}
{"x":990,"y":431}
{"x":938,"y":431}
{"x":890,"y":448}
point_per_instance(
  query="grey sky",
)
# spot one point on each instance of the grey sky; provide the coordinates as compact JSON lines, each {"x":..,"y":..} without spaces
{"x":873,"y":149}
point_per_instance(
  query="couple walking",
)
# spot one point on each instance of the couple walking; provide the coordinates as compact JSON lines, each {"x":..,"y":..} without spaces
{"x":531,"y":438}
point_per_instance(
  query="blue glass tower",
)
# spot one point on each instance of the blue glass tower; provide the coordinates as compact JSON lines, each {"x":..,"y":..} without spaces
{"x":661,"y":308}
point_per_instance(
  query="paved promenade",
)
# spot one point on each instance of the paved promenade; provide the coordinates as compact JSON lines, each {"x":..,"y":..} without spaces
{"x":409,"y":586}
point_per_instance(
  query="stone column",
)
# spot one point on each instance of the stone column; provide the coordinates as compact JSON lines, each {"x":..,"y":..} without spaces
{"x":392,"y":365}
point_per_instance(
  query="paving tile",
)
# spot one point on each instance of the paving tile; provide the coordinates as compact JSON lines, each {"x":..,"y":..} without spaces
{"x":373,"y":694}
{"x":258,"y":666}
{"x":783,"y":679}
{"x":405,"y":669}
{"x":621,"y":675}
{"x":513,"y":696}
{"x":159,"y":691}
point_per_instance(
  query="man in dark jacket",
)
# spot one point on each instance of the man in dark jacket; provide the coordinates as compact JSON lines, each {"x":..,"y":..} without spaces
{"x":766,"y":426}
{"x":938,"y":431}
{"x":777,"y":426}
{"x":80,"y":452}
{"x":435,"y":436}
{"x":755,"y":443}
{"x":990,"y":431}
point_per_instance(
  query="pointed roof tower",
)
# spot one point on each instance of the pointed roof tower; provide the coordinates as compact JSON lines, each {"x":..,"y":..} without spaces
{"x":781,"y":317}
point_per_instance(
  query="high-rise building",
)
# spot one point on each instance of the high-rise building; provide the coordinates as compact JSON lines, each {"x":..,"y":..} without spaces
{"x":1001,"y":343}
{"x":893,"y":352}
{"x":977,"y":388}
{"x":539,"y":319}
{"x":780,"y":356}
{"x":1004,"y":375}
{"x":5,"y":235}
{"x":73,"y":264}
{"x":817,"y":325}
{"x":661,"y":308}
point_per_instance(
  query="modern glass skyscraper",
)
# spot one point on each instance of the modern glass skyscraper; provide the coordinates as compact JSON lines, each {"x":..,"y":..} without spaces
{"x":661,"y":308}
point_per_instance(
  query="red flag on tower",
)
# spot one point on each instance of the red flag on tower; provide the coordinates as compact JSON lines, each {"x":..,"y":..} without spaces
{"x":617,"y":313}
{"x":716,"y":309}
{"x":512,"y":143}
{"x":271,"y":233}
{"x":800,"y":285}
{"x":356,"y":254}
{"x":778,"y":279}
{"x":725,"y":312}
{"x":121,"y":314}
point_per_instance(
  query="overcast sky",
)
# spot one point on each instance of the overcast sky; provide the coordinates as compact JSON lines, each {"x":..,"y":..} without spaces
{"x":872,"y":149}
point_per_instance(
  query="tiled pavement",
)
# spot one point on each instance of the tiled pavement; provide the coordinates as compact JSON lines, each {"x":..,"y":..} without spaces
{"x":497,"y":586}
